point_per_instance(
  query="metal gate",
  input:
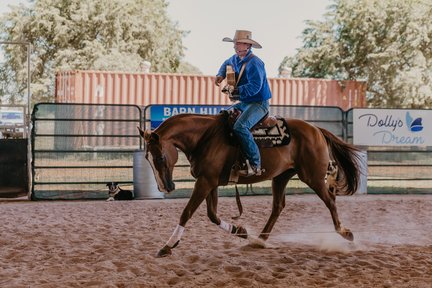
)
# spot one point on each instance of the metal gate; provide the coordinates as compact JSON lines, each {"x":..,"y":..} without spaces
{"x":79,"y":148}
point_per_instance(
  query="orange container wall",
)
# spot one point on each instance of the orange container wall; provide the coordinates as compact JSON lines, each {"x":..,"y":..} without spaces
{"x":142,"y":89}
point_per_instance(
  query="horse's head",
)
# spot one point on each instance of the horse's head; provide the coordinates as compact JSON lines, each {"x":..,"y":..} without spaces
{"x":162,"y":157}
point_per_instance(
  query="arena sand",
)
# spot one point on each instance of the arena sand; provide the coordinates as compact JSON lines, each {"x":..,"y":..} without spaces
{"x":113,"y":244}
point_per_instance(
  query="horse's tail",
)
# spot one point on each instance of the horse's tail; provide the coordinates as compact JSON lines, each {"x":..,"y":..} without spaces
{"x":347,"y":158}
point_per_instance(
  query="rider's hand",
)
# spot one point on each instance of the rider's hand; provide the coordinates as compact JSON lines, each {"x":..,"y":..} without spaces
{"x":228,"y":89}
{"x":218,"y":80}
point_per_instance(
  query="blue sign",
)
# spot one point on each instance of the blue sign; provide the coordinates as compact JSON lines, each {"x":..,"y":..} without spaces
{"x":160,"y":113}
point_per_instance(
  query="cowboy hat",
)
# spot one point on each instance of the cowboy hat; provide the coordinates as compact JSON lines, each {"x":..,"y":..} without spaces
{"x":243,"y":36}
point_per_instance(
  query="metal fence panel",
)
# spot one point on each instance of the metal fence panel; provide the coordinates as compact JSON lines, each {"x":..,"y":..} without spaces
{"x":330,"y":118}
{"x":78,"y":148}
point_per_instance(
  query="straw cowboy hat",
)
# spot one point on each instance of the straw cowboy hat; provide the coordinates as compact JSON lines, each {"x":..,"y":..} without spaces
{"x":243,"y":36}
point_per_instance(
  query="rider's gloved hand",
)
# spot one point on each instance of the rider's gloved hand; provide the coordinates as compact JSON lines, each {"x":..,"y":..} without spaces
{"x":228,"y":89}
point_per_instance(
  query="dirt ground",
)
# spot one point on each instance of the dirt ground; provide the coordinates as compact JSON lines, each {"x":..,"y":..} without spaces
{"x":113,"y":244}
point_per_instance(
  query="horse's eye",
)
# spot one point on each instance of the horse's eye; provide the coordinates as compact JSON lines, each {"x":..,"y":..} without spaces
{"x":160,"y":159}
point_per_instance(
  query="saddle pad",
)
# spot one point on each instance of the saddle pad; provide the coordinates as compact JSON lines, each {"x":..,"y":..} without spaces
{"x":277,"y":135}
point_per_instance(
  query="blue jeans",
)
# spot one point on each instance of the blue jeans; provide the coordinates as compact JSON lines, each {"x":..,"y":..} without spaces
{"x":251,"y":113}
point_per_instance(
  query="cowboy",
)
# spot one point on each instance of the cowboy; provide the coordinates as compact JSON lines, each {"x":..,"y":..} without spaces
{"x":251,"y":90}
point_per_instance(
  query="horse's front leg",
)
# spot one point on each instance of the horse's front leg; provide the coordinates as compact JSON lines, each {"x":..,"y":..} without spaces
{"x":212,"y":202}
{"x":278,"y":191}
{"x":201,"y":190}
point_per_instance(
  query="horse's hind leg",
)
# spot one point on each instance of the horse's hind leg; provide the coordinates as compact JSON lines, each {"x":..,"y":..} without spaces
{"x":278,"y":191}
{"x":212,"y":202}
{"x":330,"y":201}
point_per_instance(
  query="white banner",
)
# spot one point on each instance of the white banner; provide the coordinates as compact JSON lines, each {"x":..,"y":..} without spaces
{"x":392,"y":127}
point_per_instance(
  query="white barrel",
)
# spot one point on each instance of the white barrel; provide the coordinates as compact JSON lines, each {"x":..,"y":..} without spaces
{"x":363,"y":165}
{"x":145,"y":186}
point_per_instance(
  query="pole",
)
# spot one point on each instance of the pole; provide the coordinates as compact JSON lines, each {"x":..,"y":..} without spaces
{"x":29,"y":144}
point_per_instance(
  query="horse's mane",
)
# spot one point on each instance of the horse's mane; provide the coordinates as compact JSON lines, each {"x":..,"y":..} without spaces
{"x":216,"y":130}
{"x":173,"y":119}
{"x":213,"y":126}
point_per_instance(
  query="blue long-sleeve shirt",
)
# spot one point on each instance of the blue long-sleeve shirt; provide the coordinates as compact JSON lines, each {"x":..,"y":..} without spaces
{"x":253,"y":85}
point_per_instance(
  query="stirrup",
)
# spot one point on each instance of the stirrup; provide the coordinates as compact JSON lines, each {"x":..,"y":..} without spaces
{"x":250,"y":171}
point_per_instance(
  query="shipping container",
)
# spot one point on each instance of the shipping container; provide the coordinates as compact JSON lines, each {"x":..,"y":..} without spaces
{"x":142,"y":89}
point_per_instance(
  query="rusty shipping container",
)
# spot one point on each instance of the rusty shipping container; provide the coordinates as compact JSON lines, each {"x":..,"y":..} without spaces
{"x":142,"y":89}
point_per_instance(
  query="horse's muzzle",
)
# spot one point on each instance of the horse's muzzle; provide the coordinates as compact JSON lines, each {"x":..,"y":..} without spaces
{"x":168,"y":187}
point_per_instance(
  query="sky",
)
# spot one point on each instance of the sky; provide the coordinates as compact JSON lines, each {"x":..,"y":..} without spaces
{"x":275,"y":24}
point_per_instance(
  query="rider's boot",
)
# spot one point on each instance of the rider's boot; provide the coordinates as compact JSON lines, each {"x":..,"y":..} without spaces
{"x":251,"y":170}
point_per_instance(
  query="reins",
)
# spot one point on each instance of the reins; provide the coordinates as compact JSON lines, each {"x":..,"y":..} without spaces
{"x":239,"y":205}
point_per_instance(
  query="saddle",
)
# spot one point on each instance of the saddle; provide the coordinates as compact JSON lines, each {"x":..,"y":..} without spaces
{"x":270,"y":131}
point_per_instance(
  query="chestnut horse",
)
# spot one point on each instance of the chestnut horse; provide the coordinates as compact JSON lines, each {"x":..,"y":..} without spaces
{"x":204,"y":140}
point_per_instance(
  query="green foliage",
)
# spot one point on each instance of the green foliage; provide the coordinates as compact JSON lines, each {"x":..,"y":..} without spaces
{"x":187,"y":68}
{"x":387,"y":43}
{"x":88,"y":35}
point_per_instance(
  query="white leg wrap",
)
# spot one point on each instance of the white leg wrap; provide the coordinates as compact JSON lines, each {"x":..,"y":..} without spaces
{"x":225,"y":226}
{"x":176,"y":236}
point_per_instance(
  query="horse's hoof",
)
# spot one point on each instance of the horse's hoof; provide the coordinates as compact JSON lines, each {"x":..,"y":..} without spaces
{"x":165,"y":251}
{"x":348,"y":235}
{"x":241,"y":232}
{"x":257,"y":243}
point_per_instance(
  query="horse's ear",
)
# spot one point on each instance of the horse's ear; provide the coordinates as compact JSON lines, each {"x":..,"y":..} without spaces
{"x":141,"y":132}
{"x":148,"y":134}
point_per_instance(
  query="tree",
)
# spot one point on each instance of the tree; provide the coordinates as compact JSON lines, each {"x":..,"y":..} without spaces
{"x":88,"y":35}
{"x":187,"y":68}
{"x":387,"y":43}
